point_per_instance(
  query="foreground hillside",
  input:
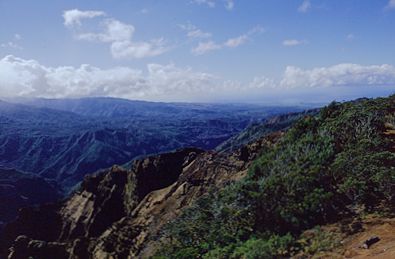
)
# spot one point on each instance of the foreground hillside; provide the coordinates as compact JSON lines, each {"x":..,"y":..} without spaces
{"x":337,"y":165}
{"x":65,"y":139}
{"x":318,"y":189}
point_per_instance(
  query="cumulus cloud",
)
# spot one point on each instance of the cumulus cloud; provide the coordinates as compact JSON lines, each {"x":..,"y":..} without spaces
{"x":28,"y":78}
{"x":305,"y":6}
{"x":339,"y":75}
{"x":118,"y":34}
{"x":293,"y":42}
{"x":74,"y":17}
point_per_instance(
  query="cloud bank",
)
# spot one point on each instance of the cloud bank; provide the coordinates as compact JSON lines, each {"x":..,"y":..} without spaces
{"x":28,"y":78}
{"x":346,"y":75}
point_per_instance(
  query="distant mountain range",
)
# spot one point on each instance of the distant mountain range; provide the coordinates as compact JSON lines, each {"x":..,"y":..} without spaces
{"x":64,"y":139}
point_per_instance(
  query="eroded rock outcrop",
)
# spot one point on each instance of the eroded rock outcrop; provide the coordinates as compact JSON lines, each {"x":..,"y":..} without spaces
{"x":117,"y":213}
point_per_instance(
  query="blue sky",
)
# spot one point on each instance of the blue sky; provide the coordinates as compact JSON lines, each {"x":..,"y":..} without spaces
{"x":198,"y":50}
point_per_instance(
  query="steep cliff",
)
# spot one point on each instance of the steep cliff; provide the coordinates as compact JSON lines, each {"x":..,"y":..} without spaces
{"x":116,"y":213}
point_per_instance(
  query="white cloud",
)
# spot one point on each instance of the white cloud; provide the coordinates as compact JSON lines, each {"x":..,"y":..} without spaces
{"x":293,"y":42}
{"x":28,"y":78}
{"x":120,"y":37}
{"x":339,"y":75}
{"x":235,"y":42}
{"x":391,"y":4}
{"x":193,"y":32}
{"x":113,"y":31}
{"x":130,"y":49}
{"x":209,"y":3}
{"x":228,"y":4}
{"x":198,"y":34}
{"x":74,"y":17}
{"x":204,"y":47}
{"x":262,"y":82}
{"x":171,"y":79}
{"x":305,"y":6}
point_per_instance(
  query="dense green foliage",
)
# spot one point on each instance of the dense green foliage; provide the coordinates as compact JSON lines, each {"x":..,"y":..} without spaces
{"x":324,"y":168}
{"x":258,"y":130}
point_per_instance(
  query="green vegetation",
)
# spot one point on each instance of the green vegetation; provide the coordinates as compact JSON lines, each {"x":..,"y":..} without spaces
{"x":323,"y":169}
{"x":259,"y":130}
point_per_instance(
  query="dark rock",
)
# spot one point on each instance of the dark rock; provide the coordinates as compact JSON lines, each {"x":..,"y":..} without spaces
{"x":26,"y":248}
{"x":370,"y":241}
{"x":19,"y":190}
{"x":356,"y":227}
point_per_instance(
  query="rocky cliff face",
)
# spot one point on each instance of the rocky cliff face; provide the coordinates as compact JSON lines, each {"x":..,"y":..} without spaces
{"x":117,"y":213}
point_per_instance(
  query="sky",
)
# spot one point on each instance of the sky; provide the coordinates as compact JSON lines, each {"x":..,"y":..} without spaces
{"x":265,"y":51}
